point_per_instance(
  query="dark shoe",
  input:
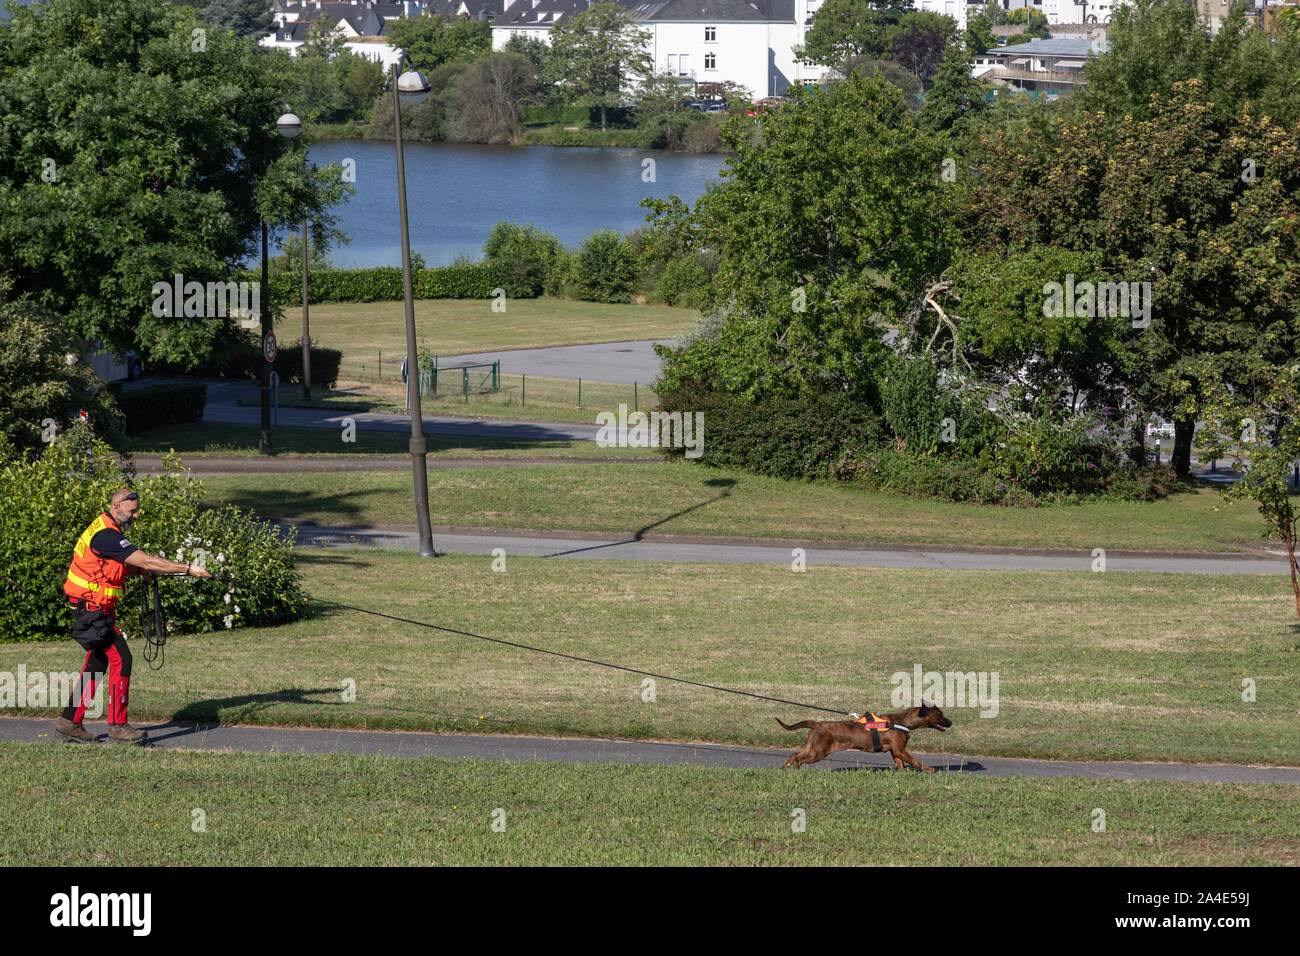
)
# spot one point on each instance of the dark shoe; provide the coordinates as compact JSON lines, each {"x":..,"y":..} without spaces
{"x":73,"y":733}
{"x":126,"y":734}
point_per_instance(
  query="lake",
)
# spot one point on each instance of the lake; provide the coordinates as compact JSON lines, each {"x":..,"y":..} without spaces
{"x":456,"y":193}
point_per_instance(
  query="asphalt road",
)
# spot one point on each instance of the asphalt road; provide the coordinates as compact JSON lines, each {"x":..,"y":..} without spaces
{"x":619,"y":362}
{"x":581,"y":750}
{"x":649,"y":547}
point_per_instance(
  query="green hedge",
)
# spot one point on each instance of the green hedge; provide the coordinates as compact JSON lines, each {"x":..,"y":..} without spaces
{"x":785,"y":437}
{"x":160,"y":405}
{"x":46,"y":502}
{"x":324,"y":364}
{"x":384,"y":284}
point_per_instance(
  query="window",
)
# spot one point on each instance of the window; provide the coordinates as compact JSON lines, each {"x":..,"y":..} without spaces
{"x":672,"y":62}
{"x":710,"y":61}
{"x":684,"y":65}
{"x":710,"y":34}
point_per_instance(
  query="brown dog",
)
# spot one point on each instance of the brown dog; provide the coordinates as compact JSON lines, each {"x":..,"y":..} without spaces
{"x":827,"y":736}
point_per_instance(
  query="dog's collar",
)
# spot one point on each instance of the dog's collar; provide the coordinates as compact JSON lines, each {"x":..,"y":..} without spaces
{"x":906,"y":730}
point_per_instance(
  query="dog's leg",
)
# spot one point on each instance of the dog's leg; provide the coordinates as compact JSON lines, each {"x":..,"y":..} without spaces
{"x":912,"y":762}
{"x":815,"y":748}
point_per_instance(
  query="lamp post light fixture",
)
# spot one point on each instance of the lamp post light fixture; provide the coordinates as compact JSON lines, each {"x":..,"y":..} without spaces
{"x":412,"y":86}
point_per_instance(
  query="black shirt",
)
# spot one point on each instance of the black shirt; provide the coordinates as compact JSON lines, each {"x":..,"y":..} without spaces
{"x":112,"y":545}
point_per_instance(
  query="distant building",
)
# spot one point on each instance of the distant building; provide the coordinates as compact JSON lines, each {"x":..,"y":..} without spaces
{"x":363,"y":23}
{"x":752,"y":43}
{"x":1040,"y":67}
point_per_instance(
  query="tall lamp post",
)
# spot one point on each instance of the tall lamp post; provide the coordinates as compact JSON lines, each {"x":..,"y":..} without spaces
{"x":288,"y":126}
{"x":413,"y":86}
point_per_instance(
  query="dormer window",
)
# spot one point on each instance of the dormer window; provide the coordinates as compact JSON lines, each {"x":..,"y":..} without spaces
{"x":710,"y":34}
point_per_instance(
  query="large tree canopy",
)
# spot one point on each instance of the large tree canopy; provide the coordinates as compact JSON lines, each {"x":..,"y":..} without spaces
{"x":136,"y":144}
{"x":829,"y":214}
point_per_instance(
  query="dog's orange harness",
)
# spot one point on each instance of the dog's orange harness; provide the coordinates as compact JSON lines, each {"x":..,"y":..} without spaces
{"x":872,"y":721}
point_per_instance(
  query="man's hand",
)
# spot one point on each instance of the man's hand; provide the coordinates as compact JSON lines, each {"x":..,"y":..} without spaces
{"x":195,"y":571}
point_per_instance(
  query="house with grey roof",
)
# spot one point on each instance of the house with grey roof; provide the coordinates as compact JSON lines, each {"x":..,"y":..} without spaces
{"x":1040,"y":67}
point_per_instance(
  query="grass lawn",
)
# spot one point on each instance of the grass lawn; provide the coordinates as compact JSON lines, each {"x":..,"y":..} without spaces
{"x":364,"y":330}
{"x":533,"y":399}
{"x":267,"y":810}
{"x":1100,"y":666}
{"x":683,"y":498}
{"x":216,"y":439}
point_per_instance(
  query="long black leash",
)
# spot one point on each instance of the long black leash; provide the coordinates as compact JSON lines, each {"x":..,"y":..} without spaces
{"x":153,"y":626}
{"x":574,"y":657}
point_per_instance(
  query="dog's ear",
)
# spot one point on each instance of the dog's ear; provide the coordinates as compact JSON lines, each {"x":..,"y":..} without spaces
{"x":923,"y":711}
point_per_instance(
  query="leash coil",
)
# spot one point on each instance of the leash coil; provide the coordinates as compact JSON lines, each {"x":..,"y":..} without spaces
{"x":153,"y":626}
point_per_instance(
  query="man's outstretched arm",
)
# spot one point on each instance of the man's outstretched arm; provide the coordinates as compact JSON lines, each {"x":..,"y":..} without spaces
{"x":141,"y":563}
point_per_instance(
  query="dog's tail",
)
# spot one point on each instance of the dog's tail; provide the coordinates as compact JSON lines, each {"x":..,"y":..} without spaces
{"x":808,"y":724}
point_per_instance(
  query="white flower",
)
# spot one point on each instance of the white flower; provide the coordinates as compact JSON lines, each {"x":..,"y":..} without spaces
{"x":208,"y":544}
{"x":236,"y":608}
{"x":227,"y":597}
{"x":221,"y":558}
{"x":228,"y":620}
{"x":180,"y":554}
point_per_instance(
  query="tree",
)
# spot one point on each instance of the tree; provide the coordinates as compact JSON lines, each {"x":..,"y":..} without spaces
{"x":44,"y":379}
{"x":1163,"y":200}
{"x":164,"y":166}
{"x":598,"y":55}
{"x":661,"y":106}
{"x":430,"y":41}
{"x":919,"y":42}
{"x":979,"y":33}
{"x":954,"y":97}
{"x":830,"y":215}
{"x":1035,"y":21}
{"x":845,"y":29}
{"x":1260,"y":431}
{"x":487,"y":97}
{"x":245,"y":18}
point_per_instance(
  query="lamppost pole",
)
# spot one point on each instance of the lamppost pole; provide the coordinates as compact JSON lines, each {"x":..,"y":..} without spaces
{"x":412,"y":84}
{"x":306,"y":323}
{"x":264,"y":365}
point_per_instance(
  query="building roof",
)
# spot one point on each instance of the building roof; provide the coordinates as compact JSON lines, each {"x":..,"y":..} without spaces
{"x":545,"y":13}
{"x":1066,"y":46}
{"x":765,"y":11}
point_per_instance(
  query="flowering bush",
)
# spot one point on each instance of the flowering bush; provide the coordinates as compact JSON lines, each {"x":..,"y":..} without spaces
{"x":48,"y":501}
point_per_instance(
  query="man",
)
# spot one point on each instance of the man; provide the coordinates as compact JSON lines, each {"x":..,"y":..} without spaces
{"x":101,"y":560}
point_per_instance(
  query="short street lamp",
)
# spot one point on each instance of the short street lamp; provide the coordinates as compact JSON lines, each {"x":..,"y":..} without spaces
{"x":412,"y":86}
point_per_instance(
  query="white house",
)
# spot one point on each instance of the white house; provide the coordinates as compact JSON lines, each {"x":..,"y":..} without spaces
{"x":752,"y":43}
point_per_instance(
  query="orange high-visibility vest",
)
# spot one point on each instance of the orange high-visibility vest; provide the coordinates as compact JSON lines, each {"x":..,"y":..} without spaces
{"x":95,"y":580}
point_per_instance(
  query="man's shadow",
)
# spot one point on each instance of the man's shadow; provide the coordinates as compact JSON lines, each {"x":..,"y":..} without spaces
{"x":205,"y":715}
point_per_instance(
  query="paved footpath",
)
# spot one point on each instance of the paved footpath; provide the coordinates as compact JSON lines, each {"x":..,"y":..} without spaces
{"x":650,"y":547}
{"x":316,"y":464}
{"x":584,"y":750}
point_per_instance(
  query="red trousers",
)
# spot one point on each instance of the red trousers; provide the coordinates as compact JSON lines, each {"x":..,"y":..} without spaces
{"x":106,"y":651}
